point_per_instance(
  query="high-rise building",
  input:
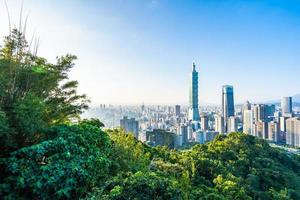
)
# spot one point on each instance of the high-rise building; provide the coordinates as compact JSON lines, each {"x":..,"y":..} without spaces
{"x":194,"y":107}
{"x":130,"y":125}
{"x":287,"y":106}
{"x":232,"y":124}
{"x":269,"y":111}
{"x":183,"y":131}
{"x":246,"y":106}
{"x":178,"y":140}
{"x":200,"y":137}
{"x":247,"y":117}
{"x":210,"y":135}
{"x":177,"y":110}
{"x":247,"y":121}
{"x":259,"y":112}
{"x":282,"y":121}
{"x":274,"y":131}
{"x":205,"y":136}
{"x":260,"y":129}
{"x":219,"y":124}
{"x":204,"y":123}
{"x":143,"y":107}
{"x":169,"y":110}
{"x":227,"y":104}
{"x":293,"y":131}
{"x":256,"y":112}
{"x":263,"y":112}
{"x":162,"y":137}
{"x":190,"y":132}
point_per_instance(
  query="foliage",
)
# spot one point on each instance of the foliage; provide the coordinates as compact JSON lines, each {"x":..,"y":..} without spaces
{"x":48,"y":152}
{"x":142,"y":186}
{"x":128,"y":153}
{"x":236,"y":166}
{"x":34,"y":92}
{"x":41,"y":154}
{"x":67,"y":166}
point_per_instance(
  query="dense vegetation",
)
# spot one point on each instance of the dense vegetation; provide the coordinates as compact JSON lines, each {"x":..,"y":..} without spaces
{"x":47,"y":152}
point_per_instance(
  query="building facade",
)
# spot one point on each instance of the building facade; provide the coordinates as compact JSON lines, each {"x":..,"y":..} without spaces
{"x":219,"y":124}
{"x":193,"y":98}
{"x":287,"y":106}
{"x":293,"y":132}
{"x":183,"y":131}
{"x":232,"y":124}
{"x":274,"y":132}
{"x":260,"y":129}
{"x":263,"y":112}
{"x":227,"y":104}
{"x":247,"y":122}
{"x":204,"y":123}
{"x":177,"y":110}
{"x":130,"y":125}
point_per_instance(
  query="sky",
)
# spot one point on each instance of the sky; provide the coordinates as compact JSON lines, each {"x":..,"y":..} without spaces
{"x":135,"y":51}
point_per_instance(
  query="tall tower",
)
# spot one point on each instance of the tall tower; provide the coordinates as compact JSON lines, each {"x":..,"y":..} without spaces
{"x":293,"y":132}
{"x":227,"y":104}
{"x":177,"y":110}
{"x":287,"y":106}
{"x":193,"y":110}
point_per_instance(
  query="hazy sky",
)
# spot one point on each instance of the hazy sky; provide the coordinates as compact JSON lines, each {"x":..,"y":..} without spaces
{"x":134,"y":51}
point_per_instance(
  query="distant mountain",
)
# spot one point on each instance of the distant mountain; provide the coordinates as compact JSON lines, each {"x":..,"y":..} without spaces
{"x":296,"y":101}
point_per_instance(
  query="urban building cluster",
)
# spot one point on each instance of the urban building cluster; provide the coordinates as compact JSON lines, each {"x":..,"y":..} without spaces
{"x":177,"y":126}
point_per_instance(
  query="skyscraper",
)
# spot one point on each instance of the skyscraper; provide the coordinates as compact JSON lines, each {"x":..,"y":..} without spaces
{"x":269,"y":112}
{"x":194,"y":110}
{"x":143,"y":107}
{"x":177,"y":110}
{"x":259,"y":112}
{"x":286,"y":106}
{"x":247,"y":121}
{"x":204,"y":122}
{"x":263,"y":112}
{"x":232,"y":124}
{"x":293,"y":132}
{"x":274,"y":131}
{"x":227,"y":104}
{"x":247,"y":118}
{"x":130,"y":126}
{"x":183,"y":131}
{"x":260,"y":129}
{"x":282,"y":121}
{"x":219,"y":124}
{"x":246,"y":106}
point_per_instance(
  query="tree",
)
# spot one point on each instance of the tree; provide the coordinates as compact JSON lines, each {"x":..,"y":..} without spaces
{"x":128,"y":153}
{"x":144,"y":186}
{"x":67,"y":166}
{"x":35,"y":93}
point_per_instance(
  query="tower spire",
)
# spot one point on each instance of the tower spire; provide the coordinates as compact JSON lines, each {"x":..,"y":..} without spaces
{"x":194,"y":110}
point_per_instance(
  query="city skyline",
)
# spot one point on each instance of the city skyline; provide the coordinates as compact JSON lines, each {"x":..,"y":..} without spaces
{"x":149,"y":99}
{"x":245,"y":44}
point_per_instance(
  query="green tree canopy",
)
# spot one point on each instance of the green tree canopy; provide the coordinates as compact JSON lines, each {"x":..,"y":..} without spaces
{"x":48,"y":152}
{"x":35,"y":93}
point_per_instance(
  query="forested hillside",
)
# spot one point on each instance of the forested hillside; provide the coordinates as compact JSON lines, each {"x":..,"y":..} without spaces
{"x":48,"y":152}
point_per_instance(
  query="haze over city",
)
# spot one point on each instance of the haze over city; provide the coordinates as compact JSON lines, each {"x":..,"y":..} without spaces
{"x":148,"y":47}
